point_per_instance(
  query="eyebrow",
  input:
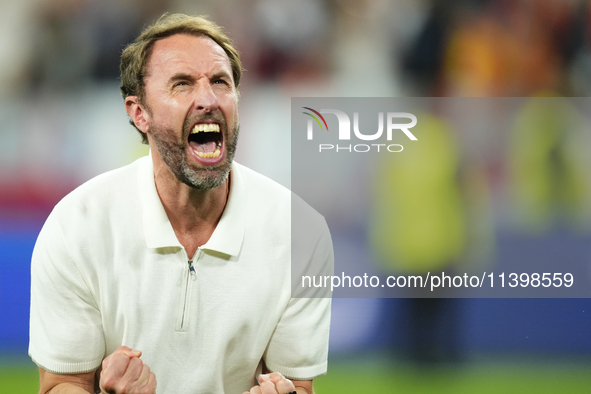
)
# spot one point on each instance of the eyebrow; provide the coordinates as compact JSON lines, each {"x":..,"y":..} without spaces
{"x":189,"y":77}
{"x":181,"y":77}
{"x":222,"y":74}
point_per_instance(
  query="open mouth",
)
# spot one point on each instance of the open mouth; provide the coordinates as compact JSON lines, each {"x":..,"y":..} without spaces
{"x":206,"y":140}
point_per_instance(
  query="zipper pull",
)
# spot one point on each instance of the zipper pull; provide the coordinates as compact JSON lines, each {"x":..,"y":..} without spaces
{"x":192,"y":270}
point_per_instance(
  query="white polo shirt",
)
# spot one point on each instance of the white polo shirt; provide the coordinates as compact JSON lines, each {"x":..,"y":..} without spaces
{"x":108,"y":270}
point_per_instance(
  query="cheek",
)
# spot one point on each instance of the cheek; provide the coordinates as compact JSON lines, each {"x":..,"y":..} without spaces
{"x":165,"y":108}
{"x":169,"y":116}
{"x":230,"y":109}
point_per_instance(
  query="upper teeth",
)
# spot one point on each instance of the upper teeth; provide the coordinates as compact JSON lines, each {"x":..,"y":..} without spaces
{"x":206,"y":127}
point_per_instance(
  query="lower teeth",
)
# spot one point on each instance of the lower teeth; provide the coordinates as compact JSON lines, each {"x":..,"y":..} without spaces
{"x":209,"y":155}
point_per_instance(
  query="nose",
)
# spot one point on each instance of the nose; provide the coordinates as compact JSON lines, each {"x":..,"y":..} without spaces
{"x":205,"y":98}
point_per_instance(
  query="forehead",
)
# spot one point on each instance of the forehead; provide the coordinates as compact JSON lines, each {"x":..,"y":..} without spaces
{"x":185,"y":52}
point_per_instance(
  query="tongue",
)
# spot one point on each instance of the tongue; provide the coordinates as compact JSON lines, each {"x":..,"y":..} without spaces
{"x":205,"y":147}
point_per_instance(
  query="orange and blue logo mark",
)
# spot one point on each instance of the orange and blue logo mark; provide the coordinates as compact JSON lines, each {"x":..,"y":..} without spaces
{"x":315,"y":118}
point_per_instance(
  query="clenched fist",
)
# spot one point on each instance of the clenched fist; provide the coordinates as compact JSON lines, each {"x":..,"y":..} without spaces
{"x":124,"y":373}
{"x":273,"y":383}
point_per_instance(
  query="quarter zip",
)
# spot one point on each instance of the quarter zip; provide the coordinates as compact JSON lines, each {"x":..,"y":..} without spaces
{"x":189,"y":275}
{"x":192,"y":270}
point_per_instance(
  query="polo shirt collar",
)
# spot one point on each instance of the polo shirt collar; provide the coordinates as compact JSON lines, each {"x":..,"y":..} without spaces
{"x":229,"y":233}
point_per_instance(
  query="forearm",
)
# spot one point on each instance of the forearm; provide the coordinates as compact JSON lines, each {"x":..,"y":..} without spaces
{"x":303,"y":386}
{"x":65,"y":384}
{"x":66,"y":388}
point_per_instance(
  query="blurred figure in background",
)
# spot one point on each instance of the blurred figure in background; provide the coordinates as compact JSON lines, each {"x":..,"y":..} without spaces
{"x":549,"y":166}
{"x":80,"y":41}
{"x":420,"y":223}
{"x":17,"y":31}
{"x":499,"y":48}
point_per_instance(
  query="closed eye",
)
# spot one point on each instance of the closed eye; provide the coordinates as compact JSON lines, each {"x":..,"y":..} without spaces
{"x":221,"y":77}
{"x":181,"y":79}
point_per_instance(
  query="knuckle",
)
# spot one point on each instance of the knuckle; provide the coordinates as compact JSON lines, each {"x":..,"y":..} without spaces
{"x":135,"y":362}
{"x":108,"y":382}
{"x":285,"y":385}
{"x":105,"y":362}
{"x":122,"y":349}
{"x":116,"y":357}
{"x":267,"y":383}
{"x":122,"y":387}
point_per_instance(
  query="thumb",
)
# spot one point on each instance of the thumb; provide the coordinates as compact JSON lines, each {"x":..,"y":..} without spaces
{"x":121,"y":350}
{"x":129,"y":352}
{"x":133,"y":353}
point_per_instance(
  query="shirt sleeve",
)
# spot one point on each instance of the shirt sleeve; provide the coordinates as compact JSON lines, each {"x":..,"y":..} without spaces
{"x":299,"y":345}
{"x":66,"y":335}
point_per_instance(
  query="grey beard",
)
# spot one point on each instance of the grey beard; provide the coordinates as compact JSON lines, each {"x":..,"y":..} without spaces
{"x":174,"y":155}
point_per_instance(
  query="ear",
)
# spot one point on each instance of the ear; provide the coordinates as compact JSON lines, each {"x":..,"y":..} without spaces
{"x":138,"y":113}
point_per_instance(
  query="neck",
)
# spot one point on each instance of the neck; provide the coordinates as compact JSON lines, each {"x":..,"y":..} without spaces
{"x":193,"y":214}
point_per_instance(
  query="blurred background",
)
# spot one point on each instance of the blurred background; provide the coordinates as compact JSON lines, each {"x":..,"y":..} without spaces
{"x":62,"y":121}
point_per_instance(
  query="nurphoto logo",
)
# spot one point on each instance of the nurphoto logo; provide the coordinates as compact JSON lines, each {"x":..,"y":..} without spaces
{"x":344,"y":134}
